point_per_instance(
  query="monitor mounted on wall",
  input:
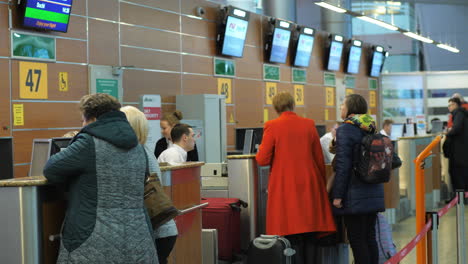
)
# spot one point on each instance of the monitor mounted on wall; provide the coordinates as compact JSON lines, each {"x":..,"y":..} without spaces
{"x":335,"y":51}
{"x":303,"y":45}
{"x":353,"y":58}
{"x":46,"y":14}
{"x":277,"y":40}
{"x":378,"y":56}
{"x":232,"y":31}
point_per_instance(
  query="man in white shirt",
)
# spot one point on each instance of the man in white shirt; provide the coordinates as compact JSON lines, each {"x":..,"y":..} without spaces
{"x":183,"y":141}
{"x":387,"y":127}
{"x":325,"y":141}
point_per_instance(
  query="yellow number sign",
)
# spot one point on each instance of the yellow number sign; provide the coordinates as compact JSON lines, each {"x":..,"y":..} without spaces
{"x":225,"y":88}
{"x":265,"y":115}
{"x":349,"y":91}
{"x":63,"y":81}
{"x":330,"y":96}
{"x":270,"y":91}
{"x":33,"y":80}
{"x":372,"y":99}
{"x":299,"y":94}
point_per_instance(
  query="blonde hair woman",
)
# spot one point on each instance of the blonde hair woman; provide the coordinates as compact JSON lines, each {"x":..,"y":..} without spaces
{"x":166,"y":235}
{"x":168,"y":121}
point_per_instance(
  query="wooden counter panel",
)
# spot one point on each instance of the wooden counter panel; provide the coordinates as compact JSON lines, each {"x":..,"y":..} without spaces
{"x":231,"y":135}
{"x":103,"y":43}
{"x":436,"y":170}
{"x":149,"y":38}
{"x":21,"y":171}
{"x":187,"y":249}
{"x":186,"y":188}
{"x":392,"y":191}
{"x":53,"y":213}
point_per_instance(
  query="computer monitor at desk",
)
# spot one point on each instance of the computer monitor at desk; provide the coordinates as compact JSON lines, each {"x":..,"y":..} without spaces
{"x":41,"y":152}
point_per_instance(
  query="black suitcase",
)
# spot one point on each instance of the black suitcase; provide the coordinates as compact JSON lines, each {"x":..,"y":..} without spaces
{"x":271,"y":250}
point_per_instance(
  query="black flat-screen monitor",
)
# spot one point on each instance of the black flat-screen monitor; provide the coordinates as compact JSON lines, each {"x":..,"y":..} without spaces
{"x":41,"y":152}
{"x":257,"y":140}
{"x":303,"y":47}
{"x":354,"y":57}
{"x":378,"y":57}
{"x":46,"y":14}
{"x":335,"y":53}
{"x":232,"y":31}
{"x":278,"y":44}
{"x":6,"y":158}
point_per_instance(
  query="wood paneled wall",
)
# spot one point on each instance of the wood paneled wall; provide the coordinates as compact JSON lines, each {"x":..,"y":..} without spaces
{"x":172,"y":53}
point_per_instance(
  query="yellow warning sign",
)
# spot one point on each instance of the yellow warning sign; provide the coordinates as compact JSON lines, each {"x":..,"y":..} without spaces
{"x":225,"y":88}
{"x":33,"y":80}
{"x":63,"y":81}
{"x":299,"y":94}
{"x":270,"y":91}
{"x":349,"y":91}
{"x":265,"y":115}
{"x":372,"y":99}
{"x":18,"y":114}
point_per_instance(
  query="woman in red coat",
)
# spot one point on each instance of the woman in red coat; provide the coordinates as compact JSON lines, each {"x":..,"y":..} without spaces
{"x":298,"y":206}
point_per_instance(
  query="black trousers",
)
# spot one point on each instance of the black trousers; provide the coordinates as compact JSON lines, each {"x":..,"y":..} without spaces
{"x":361,"y":235}
{"x":305,"y":246}
{"x":164,"y":247}
{"x":458,"y":176}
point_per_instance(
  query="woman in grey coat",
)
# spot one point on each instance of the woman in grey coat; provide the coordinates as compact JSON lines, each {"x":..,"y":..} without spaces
{"x":104,"y":167}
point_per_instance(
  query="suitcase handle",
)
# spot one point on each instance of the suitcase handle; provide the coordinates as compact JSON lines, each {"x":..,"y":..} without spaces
{"x":237,"y":206}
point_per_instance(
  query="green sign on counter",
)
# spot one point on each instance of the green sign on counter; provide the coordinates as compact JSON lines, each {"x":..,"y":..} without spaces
{"x":108,"y":86}
{"x":299,"y":75}
{"x":373,"y":84}
{"x":32,"y":46}
{"x":271,"y":72}
{"x":329,"y":79}
{"x":350,"y":81}
{"x":224,"y":67}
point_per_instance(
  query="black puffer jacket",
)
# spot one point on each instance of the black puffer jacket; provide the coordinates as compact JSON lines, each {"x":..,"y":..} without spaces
{"x":458,"y":137}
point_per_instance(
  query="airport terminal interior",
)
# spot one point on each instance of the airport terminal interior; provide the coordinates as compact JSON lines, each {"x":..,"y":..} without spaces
{"x":221,"y":67}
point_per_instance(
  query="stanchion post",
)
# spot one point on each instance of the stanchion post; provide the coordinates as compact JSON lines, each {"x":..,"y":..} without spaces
{"x":433,"y":238}
{"x":461,"y":227}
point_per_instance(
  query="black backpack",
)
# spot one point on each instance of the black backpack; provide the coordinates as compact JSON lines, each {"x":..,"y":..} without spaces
{"x":374,"y":163}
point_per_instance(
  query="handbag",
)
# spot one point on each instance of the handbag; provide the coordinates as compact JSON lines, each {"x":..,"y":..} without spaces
{"x":159,"y":206}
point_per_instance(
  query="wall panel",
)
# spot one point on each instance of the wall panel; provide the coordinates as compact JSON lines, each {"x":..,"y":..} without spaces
{"x":148,"y":17}
{"x":200,"y":46}
{"x":137,"y":83}
{"x":4,"y":32}
{"x":248,"y":100}
{"x":105,"y":9}
{"x":103,"y":43}
{"x":50,"y":115}
{"x":71,"y":50}
{"x":150,"y":59}
{"x":5,"y":114}
{"x":149,"y":38}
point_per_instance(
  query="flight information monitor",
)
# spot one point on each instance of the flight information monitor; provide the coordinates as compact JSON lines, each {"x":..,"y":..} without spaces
{"x":305,"y":44}
{"x":354,"y":57}
{"x":377,"y":62}
{"x":336,"y":50}
{"x":47,"y":14}
{"x":232,"y":32}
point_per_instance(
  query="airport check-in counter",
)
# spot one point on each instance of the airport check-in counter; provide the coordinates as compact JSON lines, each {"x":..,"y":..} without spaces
{"x":33,"y":212}
{"x":408,"y":149}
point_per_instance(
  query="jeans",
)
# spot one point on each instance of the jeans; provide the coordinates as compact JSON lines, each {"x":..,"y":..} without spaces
{"x":164,"y":247}
{"x":361,"y":235}
{"x":305,"y":246}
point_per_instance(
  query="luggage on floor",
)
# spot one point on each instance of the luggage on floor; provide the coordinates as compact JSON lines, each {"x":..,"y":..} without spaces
{"x":223,"y":214}
{"x":210,"y":246}
{"x":383,"y":234}
{"x":270,"y":250}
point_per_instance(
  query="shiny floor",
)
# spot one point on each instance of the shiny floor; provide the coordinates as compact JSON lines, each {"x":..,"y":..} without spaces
{"x":404,"y":232}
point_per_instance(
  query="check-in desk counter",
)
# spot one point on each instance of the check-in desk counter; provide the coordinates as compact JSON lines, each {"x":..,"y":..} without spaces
{"x":408,"y":149}
{"x":31,"y":212}
{"x":182,"y":183}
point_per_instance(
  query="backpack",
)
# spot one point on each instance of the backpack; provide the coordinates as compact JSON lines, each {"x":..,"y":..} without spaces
{"x":383,"y":235}
{"x":374,"y":163}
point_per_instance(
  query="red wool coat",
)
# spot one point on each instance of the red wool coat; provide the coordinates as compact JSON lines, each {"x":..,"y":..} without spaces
{"x":297,"y":198}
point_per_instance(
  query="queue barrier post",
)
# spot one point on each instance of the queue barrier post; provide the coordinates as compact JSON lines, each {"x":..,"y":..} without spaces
{"x":461,"y":254}
{"x":433,"y":238}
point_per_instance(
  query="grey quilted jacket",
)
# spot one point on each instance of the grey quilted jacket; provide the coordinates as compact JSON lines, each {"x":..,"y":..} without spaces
{"x":106,"y":221}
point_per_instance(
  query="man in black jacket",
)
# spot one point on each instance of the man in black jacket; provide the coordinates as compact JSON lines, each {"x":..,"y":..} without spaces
{"x":458,"y":141}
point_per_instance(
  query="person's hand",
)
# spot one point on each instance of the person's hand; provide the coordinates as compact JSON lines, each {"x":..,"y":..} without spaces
{"x":337,"y":203}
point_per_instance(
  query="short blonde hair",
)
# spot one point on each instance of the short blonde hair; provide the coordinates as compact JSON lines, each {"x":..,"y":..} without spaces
{"x":283,"y":101}
{"x":138,"y":122}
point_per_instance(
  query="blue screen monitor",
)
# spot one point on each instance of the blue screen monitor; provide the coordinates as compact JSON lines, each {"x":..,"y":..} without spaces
{"x":47,"y":14}
{"x":377,"y":61}
{"x":280,"y":45}
{"x":232,"y":32}
{"x":305,"y":44}
{"x":354,"y":57}
{"x":336,"y":49}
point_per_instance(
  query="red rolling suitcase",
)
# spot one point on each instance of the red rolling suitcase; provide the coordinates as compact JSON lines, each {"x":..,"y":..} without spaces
{"x":223,"y":214}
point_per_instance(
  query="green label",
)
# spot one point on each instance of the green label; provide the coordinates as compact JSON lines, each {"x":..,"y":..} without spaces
{"x":299,"y":75}
{"x":373,"y":84}
{"x":271,"y":72}
{"x":329,"y":79}
{"x":108,"y":86}
{"x":27,"y":46}
{"x":350,"y":81}
{"x":224,"y":67}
